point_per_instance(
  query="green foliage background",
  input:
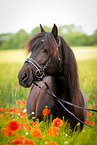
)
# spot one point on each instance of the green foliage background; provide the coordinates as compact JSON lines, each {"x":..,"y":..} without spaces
{"x":74,"y":36}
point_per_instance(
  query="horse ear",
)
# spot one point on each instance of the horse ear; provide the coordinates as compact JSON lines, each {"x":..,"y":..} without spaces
{"x":41,"y":28}
{"x":55,"y":32}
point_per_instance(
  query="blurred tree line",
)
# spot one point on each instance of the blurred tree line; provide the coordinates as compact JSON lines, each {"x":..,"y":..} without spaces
{"x":73,"y":35}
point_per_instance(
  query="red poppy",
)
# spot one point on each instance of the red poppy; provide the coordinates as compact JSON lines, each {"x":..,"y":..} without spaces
{"x":94,"y":95}
{"x":93,"y":106}
{"x":36,"y":132}
{"x":96,"y":104}
{"x":91,"y":123}
{"x":18,"y":102}
{"x":89,"y":114}
{"x":45,"y":112}
{"x":51,"y":143}
{"x":29,"y":128}
{"x":15,"y":87}
{"x":6,"y":131}
{"x":57,"y":122}
{"x":23,"y":102}
{"x":24,"y":126}
{"x":34,"y":123}
{"x":87,"y":98}
{"x":53,"y":131}
{"x":21,"y":137}
{"x":12,"y":110}
{"x":2,"y":115}
{"x":16,"y":141}
{"x":87,"y":121}
{"x":2,"y":109}
{"x":13,"y":125}
{"x":28,"y":142}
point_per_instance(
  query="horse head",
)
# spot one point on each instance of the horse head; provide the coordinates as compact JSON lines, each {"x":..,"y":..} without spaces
{"x":44,"y":59}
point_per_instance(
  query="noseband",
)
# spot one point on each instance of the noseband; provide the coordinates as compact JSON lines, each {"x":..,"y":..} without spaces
{"x":39,"y":73}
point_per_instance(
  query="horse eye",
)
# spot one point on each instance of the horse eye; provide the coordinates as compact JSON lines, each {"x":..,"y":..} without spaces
{"x":45,"y":50}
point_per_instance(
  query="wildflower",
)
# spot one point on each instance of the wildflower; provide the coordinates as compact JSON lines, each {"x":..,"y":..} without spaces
{"x":2,"y":109}
{"x":21,"y":137}
{"x":36,"y":132}
{"x":12,"y":110}
{"x":87,"y":121}
{"x":28,"y":142}
{"x":87,"y":98}
{"x":23,"y":102}
{"x":16,"y":141}
{"x":15,"y":87}
{"x":96,"y":104}
{"x":51,"y":143}
{"x":91,"y":123}
{"x":13,"y":125}
{"x":24,"y":126}
{"x":94,"y":95}
{"x":2,"y":115}
{"x":65,"y":142}
{"x":26,"y":133}
{"x":33,"y":113}
{"x":18,"y":102}
{"x":89,"y":114}
{"x":57,"y":122}
{"x":53,"y":131}
{"x":34,"y":123}
{"x":45,"y":112}
{"x":93,"y":106}
{"x":6,"y":131}
{"x":29,"y":128}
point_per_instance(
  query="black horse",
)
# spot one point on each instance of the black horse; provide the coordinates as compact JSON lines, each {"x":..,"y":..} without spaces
{"x":53,"y":60}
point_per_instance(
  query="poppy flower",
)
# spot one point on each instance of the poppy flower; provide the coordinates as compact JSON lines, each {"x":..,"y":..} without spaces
{"x":51,"y":143}
{"x":34,"y":123}
{"x":87,"y":121}
{"x":36,"y":132}
{"x":91,"y":123}
{"x":6,"y":131}
{"x":12,"y":110}
{"x":45,"y":111}
{"x":23,"y":102}
{"x":57,"y":122}
{"x":2,"y":115}
{"x":28,"y":142}
{"x":29,"y":128}
{"x":94,"y":95}
{"x":24,"y":126}
{"x":15,"y":87}
{"x":2,"y":109}
{"x":16,"y":141}
{"x":96,"y":104}
{"x":93,"y":106}
{"x":13,"y":125}
{"x":53,"y":131}
{"x":18,"y":102}
{"x":87,"y":98}
{"x":21,"y":137}
{"x":89,"y":114}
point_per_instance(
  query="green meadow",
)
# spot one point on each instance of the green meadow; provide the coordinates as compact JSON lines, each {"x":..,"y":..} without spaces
{"x":11,"y":62}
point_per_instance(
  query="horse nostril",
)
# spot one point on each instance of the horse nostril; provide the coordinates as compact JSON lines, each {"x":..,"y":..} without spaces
{"x":24,"y":77}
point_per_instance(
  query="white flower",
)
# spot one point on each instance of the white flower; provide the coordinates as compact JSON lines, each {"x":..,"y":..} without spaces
{"x":66,"y":134}
{"x":33,"y":113}
{"x":65,"y":142}
{"x":26,"y":133}
{"x":18,"y":113}
{"x":24,"y":111}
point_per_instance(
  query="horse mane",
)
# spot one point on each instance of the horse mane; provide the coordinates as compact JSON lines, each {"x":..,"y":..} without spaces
{"x":49,"y":41}
{"x":70,"y":72}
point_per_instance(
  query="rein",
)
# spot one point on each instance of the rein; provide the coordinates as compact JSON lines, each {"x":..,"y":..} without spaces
{"x":39,"y":73}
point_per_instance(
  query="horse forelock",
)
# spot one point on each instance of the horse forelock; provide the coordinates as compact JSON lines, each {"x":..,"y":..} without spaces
{"x":47,"y":37}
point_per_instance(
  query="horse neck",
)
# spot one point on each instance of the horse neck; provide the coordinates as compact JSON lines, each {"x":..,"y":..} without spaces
{"x":59,"y":88}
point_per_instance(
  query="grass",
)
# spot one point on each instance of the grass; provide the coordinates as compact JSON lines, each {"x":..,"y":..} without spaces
{"x":10,"y":63}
